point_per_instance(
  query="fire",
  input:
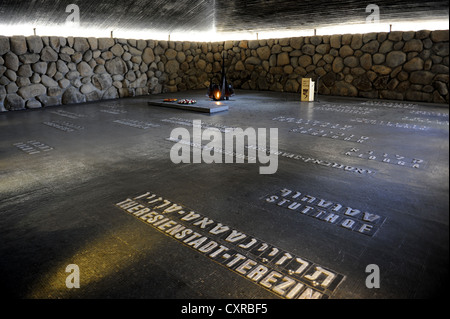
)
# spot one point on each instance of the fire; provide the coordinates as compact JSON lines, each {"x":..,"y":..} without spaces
{"x":217,"y":95}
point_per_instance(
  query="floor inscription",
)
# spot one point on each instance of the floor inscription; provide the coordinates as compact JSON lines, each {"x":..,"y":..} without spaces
{"x":283,"y":273}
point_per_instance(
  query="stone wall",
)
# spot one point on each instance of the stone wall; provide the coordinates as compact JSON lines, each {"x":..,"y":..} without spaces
{"x":411,"y":66}
{"x":43,"y":71}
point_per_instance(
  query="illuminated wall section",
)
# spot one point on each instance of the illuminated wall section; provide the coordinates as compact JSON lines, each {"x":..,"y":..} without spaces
{"x":42,"y":71}
{"x":56,"y":53}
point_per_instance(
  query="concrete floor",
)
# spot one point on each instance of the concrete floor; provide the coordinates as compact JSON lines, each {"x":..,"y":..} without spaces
{"x":66,"y":174}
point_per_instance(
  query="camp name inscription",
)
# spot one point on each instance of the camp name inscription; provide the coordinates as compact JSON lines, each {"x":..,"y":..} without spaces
{"x":276,"y":270}
{"x":64,"y":126}
{"x":332,"y":213}
{"x":386,"y":158}
{"x":33,"y":147}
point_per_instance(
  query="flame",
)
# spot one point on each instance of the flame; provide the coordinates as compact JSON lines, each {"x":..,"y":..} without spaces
{"x":217,"y":94}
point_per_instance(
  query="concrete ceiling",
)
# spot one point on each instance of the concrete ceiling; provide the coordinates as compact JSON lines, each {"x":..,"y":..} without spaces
{"x":166,"y":15}
{"x":225,"y":15}
{"x":297,"y":14}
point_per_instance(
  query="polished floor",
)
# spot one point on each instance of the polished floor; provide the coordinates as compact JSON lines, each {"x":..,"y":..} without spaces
{"x":357,"y":208}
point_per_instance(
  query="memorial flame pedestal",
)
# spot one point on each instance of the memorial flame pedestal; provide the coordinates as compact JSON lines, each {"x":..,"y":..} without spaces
{"x":223,"y":91}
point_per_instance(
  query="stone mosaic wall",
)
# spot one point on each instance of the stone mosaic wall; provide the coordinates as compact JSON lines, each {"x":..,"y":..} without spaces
{"x":43,"y":71}
{"x":411,"y":66}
